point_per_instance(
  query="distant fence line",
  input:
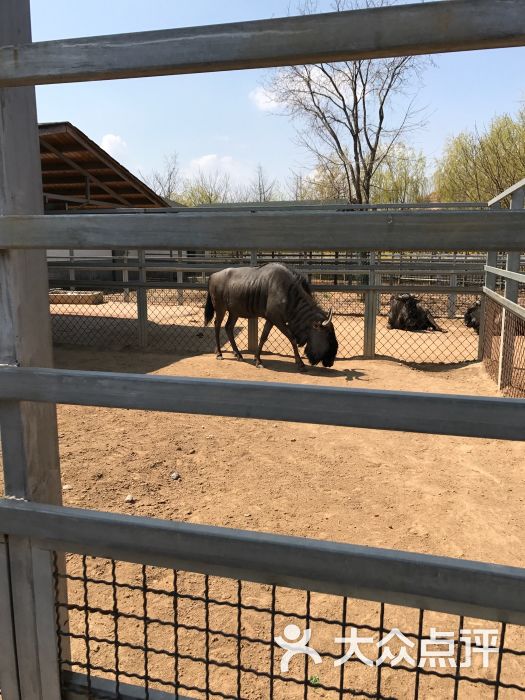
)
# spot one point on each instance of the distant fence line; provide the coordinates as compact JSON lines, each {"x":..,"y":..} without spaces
{"x":154,"y":300}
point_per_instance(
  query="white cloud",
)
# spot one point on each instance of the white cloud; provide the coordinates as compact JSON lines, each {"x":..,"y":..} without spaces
{"x":114,"y":145}
{"x":238,"y":170}
{"x":264,"y":100}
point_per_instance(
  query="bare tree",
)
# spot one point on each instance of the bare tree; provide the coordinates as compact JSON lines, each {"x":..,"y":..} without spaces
{"x":167,"y":181}
{"x":345,"y":113}
{"x":299,"y":187}
{"x":260,"y":189}
{"x":264,"y":189}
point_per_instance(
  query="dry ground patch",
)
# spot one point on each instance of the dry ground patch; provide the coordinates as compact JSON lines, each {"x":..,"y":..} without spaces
{"x":425,"y":493}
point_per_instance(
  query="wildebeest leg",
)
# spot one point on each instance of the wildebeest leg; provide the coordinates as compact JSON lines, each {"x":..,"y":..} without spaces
{"x":432,"y":323}
{"x":219,"y":315}
{"x":286,"y":332}
{"x":264,"y":337}
{"x":230,"y":325}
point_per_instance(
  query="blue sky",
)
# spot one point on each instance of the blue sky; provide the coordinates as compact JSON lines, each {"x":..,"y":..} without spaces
{"x":213,"y":119}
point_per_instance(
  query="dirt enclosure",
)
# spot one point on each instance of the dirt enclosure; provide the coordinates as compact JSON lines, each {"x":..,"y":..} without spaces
{"x":422,"y":493}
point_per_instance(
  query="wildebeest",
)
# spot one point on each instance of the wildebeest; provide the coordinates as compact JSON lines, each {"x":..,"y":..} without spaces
{"x":281,"y":296}
{"x":407,"y":314}
{"x":472,"y":316}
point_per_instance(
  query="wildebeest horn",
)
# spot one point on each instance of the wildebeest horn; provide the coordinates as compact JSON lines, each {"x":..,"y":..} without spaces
{"x":329,"y":319}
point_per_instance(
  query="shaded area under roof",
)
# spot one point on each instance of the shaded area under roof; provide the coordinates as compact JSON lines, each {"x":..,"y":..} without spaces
{"x":78,"y":174}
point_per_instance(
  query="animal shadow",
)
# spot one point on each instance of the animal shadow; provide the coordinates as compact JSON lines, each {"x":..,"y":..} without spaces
{"x":354,"y":374}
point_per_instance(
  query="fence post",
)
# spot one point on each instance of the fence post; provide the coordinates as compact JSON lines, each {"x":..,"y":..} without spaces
{"x":72,"y":273}
{"x":180,"y":280}
{"x":253,"y":323}
{"x":506,"y":355}
{"x":370,"y":320}
{"x":29,"y":431}
{"x":142,"y":301}
{"x":453,"y":296}
{"x":125,"y":274}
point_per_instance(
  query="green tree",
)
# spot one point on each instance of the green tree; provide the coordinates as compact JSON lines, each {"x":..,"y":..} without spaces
{"x":478,"y":165}
{"x":206,"y":188}
{"x":402,"y":177}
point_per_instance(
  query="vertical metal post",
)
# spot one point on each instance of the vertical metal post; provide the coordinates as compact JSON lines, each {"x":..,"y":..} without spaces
{"x":506,"y":355}
{"x":72,"y":273}
{"x":29,"y":431}
{"x":375,"y":278}
{"x":180,"y":280}
{"x":490,"y":283}
{"x":253,"y":323}
{"x":370,"y":320}
{"x":142,"y":301}
{"x":125,"y":274}
{"x":453,"y":297}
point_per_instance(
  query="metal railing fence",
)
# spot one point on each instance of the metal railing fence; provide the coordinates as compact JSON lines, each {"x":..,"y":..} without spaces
{"x":502,"y":333}
{"x":199,"y":610}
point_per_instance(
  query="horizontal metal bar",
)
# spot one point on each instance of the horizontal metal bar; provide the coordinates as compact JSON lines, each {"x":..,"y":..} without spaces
{"x":435,"y":27}
{"x":440,"y":414}
{"x":420,"y":581}
{"x":343,"y":287}
{"x":358,"y":231}
{"x":305,"y":269}
{"x":282,"y":206}
{"x":514,"y":188}
{"x":510,"y":305}
{"x":519,"y":276}
{"x":110,"y":286}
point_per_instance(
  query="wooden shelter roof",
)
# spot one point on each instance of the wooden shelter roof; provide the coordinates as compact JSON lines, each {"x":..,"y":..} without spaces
{"x":79,"y":174}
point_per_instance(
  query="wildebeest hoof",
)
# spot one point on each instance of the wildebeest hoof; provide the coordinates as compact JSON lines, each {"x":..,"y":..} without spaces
{"x":259,"y":365}
{"x":219,"y":357}
{"x":302,"y":368}
{"x":239,"y":357}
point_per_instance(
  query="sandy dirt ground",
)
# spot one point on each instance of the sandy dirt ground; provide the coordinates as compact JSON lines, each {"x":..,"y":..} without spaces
{"x":423,"y":493}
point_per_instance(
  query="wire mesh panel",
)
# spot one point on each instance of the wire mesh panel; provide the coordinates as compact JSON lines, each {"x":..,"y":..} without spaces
{"x":209,"y":637}
{"x":97,"y":318}
{"x":504,"y":358}
{"x":455,"y":343}
{"x":158,"y":305}
{"x":514,"y":355}
{"x":175,"y":323}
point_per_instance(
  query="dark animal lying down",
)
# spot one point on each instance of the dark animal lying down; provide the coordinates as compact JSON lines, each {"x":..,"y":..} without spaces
{"x":494,"y":321}
{"x":407,"y":314}
{"x":472,"y":316}
{"x":281,"y":296}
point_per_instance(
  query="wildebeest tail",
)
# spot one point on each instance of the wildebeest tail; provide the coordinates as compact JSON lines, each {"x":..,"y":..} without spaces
{"x":209,"y":310}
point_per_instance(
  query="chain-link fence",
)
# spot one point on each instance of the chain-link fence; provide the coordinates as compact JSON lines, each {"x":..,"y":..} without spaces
{"x":504,"y":356}
{"x":209,"y":637}
{"x":455,"y":343}
{"x":157,"y":303}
